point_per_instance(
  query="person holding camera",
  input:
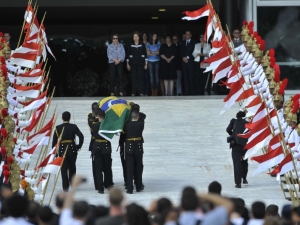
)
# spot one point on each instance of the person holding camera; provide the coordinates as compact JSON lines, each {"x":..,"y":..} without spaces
{"x":68,"y":132}
{"x":237,"y":144}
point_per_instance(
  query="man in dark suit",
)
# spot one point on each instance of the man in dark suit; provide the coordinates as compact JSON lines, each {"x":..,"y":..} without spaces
{"x":237,"y":144}
{"x":237,"y":41}
{"x":186,"y":53}
{"x":7,"y":38}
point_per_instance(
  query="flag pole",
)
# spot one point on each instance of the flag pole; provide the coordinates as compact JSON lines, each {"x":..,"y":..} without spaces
{"x":56,"y":178}
{"x":44,"y":191}
{"x":22,"y":29}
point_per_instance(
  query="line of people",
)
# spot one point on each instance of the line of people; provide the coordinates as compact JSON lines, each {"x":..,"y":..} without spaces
{"x":160,"y":64}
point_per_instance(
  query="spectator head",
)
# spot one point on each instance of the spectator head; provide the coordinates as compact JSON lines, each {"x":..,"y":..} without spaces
{"x":135,"y":107}
{"x":100,"y":114}
{"x":215,"y":188}
{"x":145,"y":36}
{"x":59,"y":201}
{"x":201,"y":38}
{"x":115,"y":38}
{"x":168,"y":39}
{"x":183,"y":37}
{"x":66,"y":116}
{"x":32,"y":211}
{"x":45,"y":215}
{"x":116,"y":197}
{"x":136,"y":36}
{"x":188,"y":35}
{"x":163,"y":204}
{"x":175,"y":39}
{"x":169,"y":215}
{"x":6,"y":36}
{"x":240,"y":114}
{"x":258,"y":210}
{"x":81,"y":210}
{"x":17,"y":206}
{"x":95,"y":106}
{"x":134,"y":115}
{"x":272,"y":211}
{"x":137,"y":215}
{"x":239,"y":208}
{"x":154,"y":39}
{"x":188,"y":189}
{"x":189,"y":201}
{"x":236,"y":34}
{"x":295,"y":215}
{"x":286,"y":213}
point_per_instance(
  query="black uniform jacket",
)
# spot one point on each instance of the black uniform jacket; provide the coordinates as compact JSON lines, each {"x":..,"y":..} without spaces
{"x":91,"y":120}
{"x":122,"y":139}
{"x":100,"y":145}
{"x":134,"y":133}
{"x":68,"y":136}
{"x":237,"y":126}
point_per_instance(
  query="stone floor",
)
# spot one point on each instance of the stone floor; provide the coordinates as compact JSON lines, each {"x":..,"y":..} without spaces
{"x":185,"y":144}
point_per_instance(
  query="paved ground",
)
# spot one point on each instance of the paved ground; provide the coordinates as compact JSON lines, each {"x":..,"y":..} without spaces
{"x":185,"y":144}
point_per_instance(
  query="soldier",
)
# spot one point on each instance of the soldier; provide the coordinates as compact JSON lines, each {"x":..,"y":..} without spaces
{"x":68,"y":143}
{"x":101,"y":154}
{"x":92,"y":119}
{"x":134,"y":152}
{"x":142,"y":117}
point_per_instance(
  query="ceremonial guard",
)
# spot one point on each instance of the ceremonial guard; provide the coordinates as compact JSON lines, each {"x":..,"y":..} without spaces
{"x":134,"y":152}
{"x":92,"y":119}
{"x":68,"y":131}
{"x":101,"y":154}
{"x":237,"y":144}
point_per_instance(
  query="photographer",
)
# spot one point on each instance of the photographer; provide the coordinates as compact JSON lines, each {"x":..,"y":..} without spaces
{"x":237,"y":144}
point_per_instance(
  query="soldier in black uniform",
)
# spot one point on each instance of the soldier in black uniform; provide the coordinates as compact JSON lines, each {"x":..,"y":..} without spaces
{"x":134,"y":152}
{"x":92,"y":119}
{"x":101,"y":154}
{"x":68,"y":140}
{"x":142,"y":117}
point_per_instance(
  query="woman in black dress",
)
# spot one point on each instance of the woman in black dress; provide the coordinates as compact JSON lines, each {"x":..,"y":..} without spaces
{"x":168,"y":52}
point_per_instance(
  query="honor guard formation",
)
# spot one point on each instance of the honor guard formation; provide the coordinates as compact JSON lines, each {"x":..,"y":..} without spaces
{"x":131,"y":149}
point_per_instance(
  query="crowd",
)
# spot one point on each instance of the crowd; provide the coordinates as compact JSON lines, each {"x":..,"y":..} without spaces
{"x":90,"y":71}
{"x":194,"y":209}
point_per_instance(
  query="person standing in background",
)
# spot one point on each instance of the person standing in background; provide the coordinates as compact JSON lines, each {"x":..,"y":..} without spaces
{"x":168,"y":53}
{"x":175,"y":41}
{"x":201,"y":52}
{"x":153,"y":62}
{"x":116,"y":56}
{"x":136,"y":63}
{"x":237,"y":41}
{"x":145,"y":38}
{"x":186,"y":52}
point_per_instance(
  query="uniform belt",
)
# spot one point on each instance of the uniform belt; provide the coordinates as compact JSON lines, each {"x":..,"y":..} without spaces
{"x":134,"y":139}
{"x":101,"y":140}
{"x":66,"y":141}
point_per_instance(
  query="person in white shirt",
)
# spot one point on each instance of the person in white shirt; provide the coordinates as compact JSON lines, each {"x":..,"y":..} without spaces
{"x":80,"y":213}
{"x":200,"y":53}
{"x":258,"y":210}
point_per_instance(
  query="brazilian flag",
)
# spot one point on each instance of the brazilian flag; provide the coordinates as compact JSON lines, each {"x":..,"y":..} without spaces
{"x":117,"y":113}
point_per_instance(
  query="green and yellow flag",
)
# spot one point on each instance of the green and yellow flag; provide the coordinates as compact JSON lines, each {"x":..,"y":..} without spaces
{"x":117,"y":113}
